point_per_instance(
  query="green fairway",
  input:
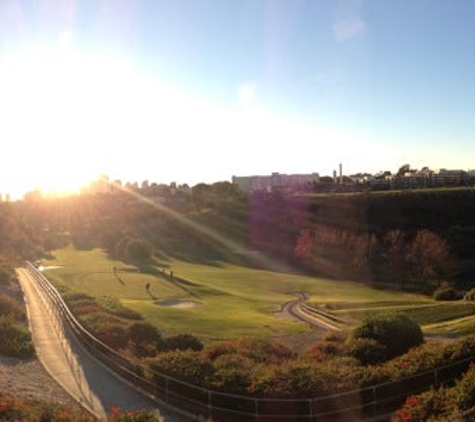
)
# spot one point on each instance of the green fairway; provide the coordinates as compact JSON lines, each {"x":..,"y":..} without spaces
{"x":230,"y":301}
{"x":425,"y":313}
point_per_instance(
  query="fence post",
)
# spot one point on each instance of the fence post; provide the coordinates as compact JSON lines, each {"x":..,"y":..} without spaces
{"x":210,"y":404}
{"x":166,"y":390}
{"x":375,"y":402}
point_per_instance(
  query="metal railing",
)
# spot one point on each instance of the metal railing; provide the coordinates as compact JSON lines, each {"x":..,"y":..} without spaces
{"x":360,"y":404}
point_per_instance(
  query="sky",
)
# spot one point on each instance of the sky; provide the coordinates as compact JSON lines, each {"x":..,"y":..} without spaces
{"x":197,"y":91}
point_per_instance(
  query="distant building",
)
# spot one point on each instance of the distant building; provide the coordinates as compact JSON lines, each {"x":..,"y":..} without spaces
{"x":442,"y":177}
{"x":274,"y":181}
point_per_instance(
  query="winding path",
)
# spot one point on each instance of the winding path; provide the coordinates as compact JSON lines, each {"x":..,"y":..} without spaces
{"x":95,"y":387}
{"x":296,"y":310}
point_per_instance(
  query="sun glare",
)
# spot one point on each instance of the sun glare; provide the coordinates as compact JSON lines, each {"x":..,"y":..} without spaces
{"x":60,"y":111}
{"x":69,"y":116}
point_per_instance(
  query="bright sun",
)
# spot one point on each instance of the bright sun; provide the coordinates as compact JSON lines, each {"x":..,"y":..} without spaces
{"x":42,"y":102}
{"x":63,"y":117}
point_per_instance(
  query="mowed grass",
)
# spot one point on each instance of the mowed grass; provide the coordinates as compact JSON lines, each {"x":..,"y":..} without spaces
{"x":233,"y":301}
{"x":425,"y":313}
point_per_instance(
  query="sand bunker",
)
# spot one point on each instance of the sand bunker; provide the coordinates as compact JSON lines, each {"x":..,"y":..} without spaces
{"x":50,"y":267}
{"x":179,"y":303}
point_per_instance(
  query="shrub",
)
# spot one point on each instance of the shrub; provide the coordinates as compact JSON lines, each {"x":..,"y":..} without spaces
{"x":464,"y":390}
{"x":145,"y":339}
{"x":116,"y":415}
{"x":445,"y":293}
{"x":15,"y":339}
{"x":138,"y":250}
{"x":442,"y":404}
{"x":232,"y":374}
{"x":182,"y":342}
{"x":6,"y":275}
{"x":470,"y":295}
{"x":397,"y":332}
{"x":258,"y":350}
{"x":9,"y":306}
{"x":303,"y":379}
{"x":185,"y":365}
{"x":121,"y":246}
{"x":107,"y":329}
{"x":323,"y":350}
{"x":432,"y":405}
{"x":367,"y":350}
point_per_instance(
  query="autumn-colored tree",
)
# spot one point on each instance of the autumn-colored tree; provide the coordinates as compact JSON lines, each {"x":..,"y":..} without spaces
{"x":365,"y":247}
{"x":395,"y":247}
{"x":428,"y":255}
{"x":303,"y":248}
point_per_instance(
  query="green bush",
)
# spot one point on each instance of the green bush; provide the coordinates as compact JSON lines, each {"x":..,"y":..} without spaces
{"x":107,"y":328}
{"x":15,"y":339}
{"x":232,"y":374}
{"x":182,"y":342}
{"x":470,"y":295}
{"x":138,"y":250}
{"x":397,"y":332}
{"x":7,"y":275}
{"x":442,"y":404}
{"x":432,"y":405}
{"x":367,"y":350}
{"x":258,"y":350}
{"x":10,"y":306}
{"x":185,"y":365}
{"x":145,"y":339}
{"x":303,"y":379}
{"x":445,"y":293}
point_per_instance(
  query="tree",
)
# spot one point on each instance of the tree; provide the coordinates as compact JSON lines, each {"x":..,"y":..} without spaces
{"x":303,"y":248}
{"x":138,"y":249}
{"x":394,"y":247}
{"x":403,"y":170}
{"x":428,"y":255}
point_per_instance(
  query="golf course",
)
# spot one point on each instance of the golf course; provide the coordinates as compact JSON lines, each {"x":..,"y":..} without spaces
{"x":222,"y":301}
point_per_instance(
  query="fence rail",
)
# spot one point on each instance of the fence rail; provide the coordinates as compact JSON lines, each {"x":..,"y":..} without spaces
{"x":364,"y":403}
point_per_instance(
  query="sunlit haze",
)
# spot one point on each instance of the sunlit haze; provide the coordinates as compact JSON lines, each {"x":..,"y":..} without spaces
{"x":194,"y":92}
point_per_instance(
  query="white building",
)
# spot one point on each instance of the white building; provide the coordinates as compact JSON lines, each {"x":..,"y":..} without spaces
{"x":275,"y":181}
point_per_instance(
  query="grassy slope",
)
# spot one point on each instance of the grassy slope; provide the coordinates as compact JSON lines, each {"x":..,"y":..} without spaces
{"x":236,"y":301}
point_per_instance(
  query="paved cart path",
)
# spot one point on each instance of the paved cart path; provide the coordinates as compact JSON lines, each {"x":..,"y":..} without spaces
{"x":82,"y":376}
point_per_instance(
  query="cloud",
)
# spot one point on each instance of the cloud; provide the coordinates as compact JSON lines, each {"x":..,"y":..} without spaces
{"x":346,"y":29}
{"x":246,"y":94}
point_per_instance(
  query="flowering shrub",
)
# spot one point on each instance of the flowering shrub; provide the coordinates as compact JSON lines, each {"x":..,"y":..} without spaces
{"x":185,"y":365}
{"x":258,"y":350}
{"x":433,"y":405}
{"x":303,"y":379}
{"x":323,"y":350}
{"x":232,"y":374}
{"x":13,"y":409}
{"x":116,"y":415}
